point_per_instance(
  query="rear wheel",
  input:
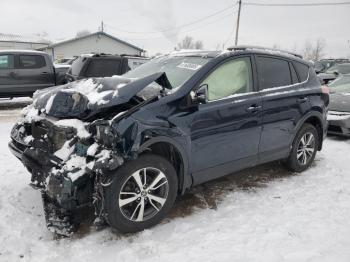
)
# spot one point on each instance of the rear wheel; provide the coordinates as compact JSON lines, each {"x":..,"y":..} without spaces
{"x":141,"y":194}
{"x":304,"y":148}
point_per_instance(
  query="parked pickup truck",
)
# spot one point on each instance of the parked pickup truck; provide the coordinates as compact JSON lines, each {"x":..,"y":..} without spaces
{"x":22,"y":72}
{"x":103,"y":65}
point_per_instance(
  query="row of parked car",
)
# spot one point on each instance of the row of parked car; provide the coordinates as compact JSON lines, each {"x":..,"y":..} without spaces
{"x":336,"y":74}
{"x":24,"y":72}
{"x":123,"y":148}
{"x":330,"y":69}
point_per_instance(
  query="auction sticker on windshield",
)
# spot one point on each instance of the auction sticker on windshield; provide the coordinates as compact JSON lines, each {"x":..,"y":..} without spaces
{"x":189,"y":66}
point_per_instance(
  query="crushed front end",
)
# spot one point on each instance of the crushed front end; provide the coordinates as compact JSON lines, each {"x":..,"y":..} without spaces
{"x":66,"y":164}
{"x":67,"y":143}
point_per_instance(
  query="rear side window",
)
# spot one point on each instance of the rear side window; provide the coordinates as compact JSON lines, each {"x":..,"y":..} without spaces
{"x":6,"y":61}
{"x":31,"y":61}
{"x":302,"y":70}
{"x":273,"y":72}
{"x":103,"y":68}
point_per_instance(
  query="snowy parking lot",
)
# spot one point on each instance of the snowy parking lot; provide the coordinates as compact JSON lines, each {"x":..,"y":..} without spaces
{"x":261,"y":214}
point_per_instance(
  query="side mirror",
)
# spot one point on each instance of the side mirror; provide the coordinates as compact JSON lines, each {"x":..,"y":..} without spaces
{"x":200,"y":96}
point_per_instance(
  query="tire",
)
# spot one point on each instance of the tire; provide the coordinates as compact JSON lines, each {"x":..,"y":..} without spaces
{"x":301,"y":157}
{"x":124,"y":216}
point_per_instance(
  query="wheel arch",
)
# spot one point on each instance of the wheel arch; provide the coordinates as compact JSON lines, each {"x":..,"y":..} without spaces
{"x":315,"y":119}
{"x":174,"y":153}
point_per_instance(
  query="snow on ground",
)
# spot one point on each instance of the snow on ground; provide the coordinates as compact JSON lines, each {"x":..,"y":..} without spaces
{"x":261,"y":214}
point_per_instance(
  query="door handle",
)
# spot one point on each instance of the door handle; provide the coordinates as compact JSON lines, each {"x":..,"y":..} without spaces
{"x":44,"y":73}
{"x":302,"y":99}
{"x":12,"y":74}
{"x":253,"y":108}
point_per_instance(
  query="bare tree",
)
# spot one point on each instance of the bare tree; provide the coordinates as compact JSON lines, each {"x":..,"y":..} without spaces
{"x":82,"y":33}
{"x":314,"y":51}
{"x":188,"y":43}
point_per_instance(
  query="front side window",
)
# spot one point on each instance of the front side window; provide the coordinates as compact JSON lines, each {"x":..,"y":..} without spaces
{"x":6,"y":61}
{"x":31,"y":61}
{"x":273,"y":72}
{"x":230,"y":78}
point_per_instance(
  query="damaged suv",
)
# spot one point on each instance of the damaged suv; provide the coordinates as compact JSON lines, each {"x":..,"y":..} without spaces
{"x":122,"y":148}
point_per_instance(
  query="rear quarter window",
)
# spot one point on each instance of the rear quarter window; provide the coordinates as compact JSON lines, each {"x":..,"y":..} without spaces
{"x":302,"y":70}
{"x":31,"y":61}
{"x":293,"y":73}
{"x":273,"y":72}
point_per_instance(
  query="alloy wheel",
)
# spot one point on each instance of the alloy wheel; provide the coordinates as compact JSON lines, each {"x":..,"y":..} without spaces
{"x":143,"y":194}
{"x":306,"y":148}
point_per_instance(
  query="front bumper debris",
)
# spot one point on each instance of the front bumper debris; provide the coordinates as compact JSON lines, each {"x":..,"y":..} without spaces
{"x":69,"y":187}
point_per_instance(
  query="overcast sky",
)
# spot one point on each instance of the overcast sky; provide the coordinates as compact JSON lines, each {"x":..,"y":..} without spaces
{"x":140,"y":22}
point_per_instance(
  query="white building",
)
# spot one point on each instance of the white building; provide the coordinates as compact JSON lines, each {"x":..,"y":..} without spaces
{"x":11,"y":41}
{"x":99,"y":42}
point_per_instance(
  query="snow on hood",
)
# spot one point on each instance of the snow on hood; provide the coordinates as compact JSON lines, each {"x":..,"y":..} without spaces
{"x":87,"y":97}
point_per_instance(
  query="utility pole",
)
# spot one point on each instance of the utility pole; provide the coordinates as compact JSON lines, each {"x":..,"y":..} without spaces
{"x":102,"y":26}
{"x":238,"y":18}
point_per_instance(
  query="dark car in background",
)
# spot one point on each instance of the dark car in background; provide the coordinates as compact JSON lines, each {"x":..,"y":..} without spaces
{"x":125,"y":147}
{"x":333,"y":72}
{"x":22,"y":72}
{"x":339,"y":108}
{"x":102,"y":65}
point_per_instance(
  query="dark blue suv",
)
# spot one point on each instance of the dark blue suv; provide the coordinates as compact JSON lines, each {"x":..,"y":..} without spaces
{"x":122,"y":148}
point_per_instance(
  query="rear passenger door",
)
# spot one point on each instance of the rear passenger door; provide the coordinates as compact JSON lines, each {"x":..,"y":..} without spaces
{"x":33,"y":72}
{"x":283,"y":105}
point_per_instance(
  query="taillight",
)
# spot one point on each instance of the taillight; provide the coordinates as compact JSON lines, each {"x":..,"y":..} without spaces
{"x":325,"y":89}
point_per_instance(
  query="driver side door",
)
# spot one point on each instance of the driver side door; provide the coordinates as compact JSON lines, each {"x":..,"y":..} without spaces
{"x":225,"y":131}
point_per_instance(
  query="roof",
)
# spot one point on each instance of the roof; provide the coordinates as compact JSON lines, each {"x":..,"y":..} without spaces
{"x":263,"y":49}
{"x":23,"y":39}
{"x":194,"y":52}
{"x":93,"y":34}
{"x":21,"y":51}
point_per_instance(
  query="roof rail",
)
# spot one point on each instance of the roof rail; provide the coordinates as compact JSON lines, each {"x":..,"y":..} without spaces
{"x":246,"y":47}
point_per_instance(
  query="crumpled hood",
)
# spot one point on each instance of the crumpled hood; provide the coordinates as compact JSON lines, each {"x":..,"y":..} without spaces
{"x":340,"y":102}
{"x":84,"y":98}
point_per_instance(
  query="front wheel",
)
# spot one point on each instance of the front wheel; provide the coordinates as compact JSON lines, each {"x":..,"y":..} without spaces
{"x":141,"y":194}
{"x":304,"y":148}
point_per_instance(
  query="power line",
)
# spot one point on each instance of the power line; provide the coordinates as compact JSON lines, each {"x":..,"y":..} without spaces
{"x":296,"y":4}
{"x":189,"y":30}
{"x":177,"y":27}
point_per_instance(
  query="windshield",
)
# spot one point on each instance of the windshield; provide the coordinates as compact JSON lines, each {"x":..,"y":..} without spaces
{"x":339,"y":68}
{"x":340,"y":85}
{"x":177,"y":68}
